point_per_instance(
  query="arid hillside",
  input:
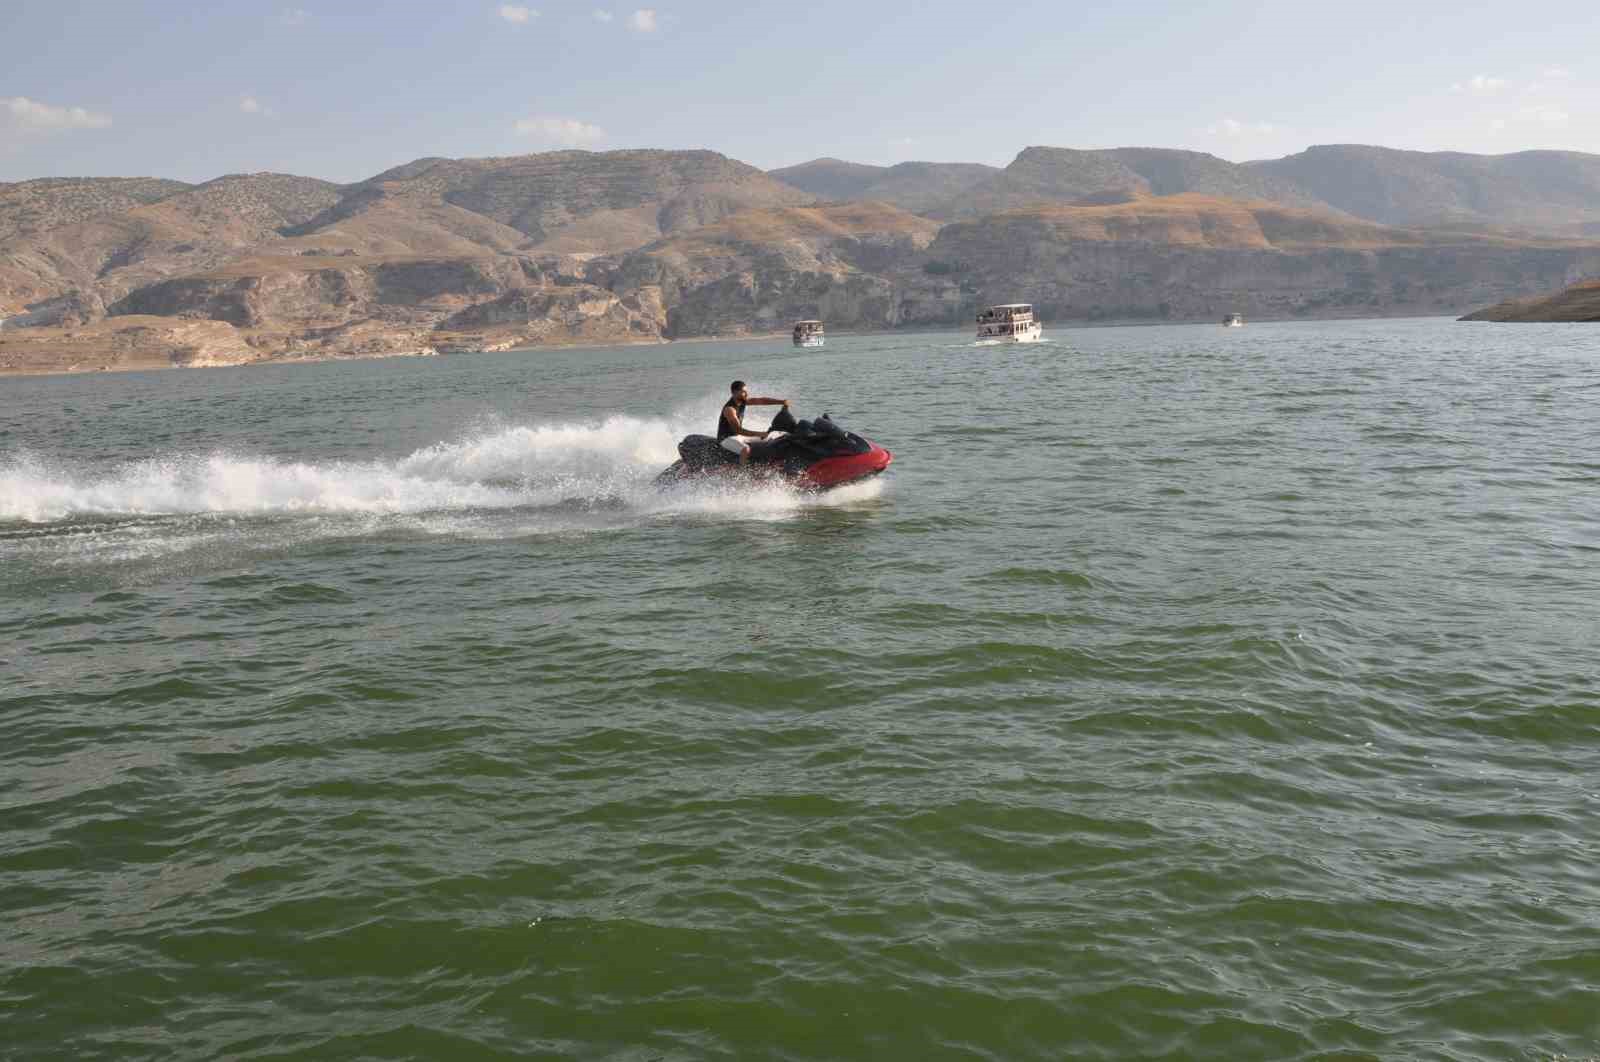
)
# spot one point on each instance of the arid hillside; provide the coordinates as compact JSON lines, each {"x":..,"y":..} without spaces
{"x":1195,"y":257}
{"x":919,"y":187}
{"x":576,"y":246}
{"x":585,"y":202}
{"x":1529,"y":192}
{"x":1042,"y":176}
{"x":1544,"y":191}
{"x":95,"y":259}
{"x":34,"y":206}
{"x":762,"y":269}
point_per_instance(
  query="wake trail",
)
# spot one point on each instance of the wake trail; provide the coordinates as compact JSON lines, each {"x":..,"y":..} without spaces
{"x":600,"y":472}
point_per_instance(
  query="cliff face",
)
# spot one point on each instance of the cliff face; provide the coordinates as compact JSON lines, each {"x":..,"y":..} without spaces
{"x":313,"y":293}
{"x":1193,"y":257}
{"x":1580,"y":302}
{"x":761,"y":270}
{"x":124,"y":343}
{"x":1111,"y":281}
{"x":569,"y":313}
{"x":1174,"y":258}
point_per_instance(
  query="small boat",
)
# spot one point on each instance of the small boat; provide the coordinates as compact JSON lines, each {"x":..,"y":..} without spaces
{"x":1233,"y":320}
{"x":1011,"y":322}
{"x":808,"y":334}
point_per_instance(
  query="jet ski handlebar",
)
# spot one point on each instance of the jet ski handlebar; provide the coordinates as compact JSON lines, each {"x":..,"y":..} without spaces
{"x":784,"y":421}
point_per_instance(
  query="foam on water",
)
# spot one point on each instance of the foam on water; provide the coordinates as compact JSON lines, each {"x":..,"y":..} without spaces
{"x":497,"y":481}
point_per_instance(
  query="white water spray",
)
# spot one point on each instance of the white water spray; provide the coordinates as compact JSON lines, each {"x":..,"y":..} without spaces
{"x":611,"y":462}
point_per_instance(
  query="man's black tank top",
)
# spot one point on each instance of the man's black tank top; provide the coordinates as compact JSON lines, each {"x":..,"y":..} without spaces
{"x":723,"y":429}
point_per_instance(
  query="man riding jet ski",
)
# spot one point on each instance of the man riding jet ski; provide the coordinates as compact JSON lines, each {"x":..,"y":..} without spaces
{"x":808,"y":454}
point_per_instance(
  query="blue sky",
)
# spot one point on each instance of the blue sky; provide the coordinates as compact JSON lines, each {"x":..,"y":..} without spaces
{"x":343,"y":90}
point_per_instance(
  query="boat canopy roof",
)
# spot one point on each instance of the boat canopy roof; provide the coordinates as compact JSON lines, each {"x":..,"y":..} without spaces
{"x":807,"y":322}
{"x":1013,"y":306}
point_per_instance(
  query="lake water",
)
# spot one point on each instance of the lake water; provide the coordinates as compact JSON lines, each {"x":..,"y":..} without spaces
{"x":1179,"y":692}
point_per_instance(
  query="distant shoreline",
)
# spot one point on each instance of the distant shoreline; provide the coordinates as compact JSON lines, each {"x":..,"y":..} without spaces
{"x":753,"y":337}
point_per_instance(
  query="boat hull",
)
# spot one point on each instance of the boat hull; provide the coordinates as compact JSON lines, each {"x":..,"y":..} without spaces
{"x":1032,"y":335}
{"x":821,"y":475}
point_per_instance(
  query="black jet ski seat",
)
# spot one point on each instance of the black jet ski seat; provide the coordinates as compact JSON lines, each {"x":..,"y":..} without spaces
{"x":702,"y":451}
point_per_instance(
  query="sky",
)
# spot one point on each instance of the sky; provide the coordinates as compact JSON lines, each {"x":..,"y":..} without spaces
{"x":341,"y":91}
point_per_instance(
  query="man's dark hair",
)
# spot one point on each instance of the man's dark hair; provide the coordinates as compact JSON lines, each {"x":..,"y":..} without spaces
{"x":736,"y":385}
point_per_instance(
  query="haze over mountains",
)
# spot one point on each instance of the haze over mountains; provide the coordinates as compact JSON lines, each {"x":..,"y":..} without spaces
{"x":1549,"y":192}
{"x":577,"y":246}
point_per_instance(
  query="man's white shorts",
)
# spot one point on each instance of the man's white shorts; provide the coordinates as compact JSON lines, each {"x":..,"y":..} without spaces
{"x":735,"y":445}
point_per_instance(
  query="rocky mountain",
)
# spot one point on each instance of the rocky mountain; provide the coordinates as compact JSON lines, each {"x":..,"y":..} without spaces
{"x":579,"y":201}
{"x":1580,"y":302}
{"x":99,"y":258}
{"x":1191,"y":257}
{"x":763,"y":269}
{"x":1540,"y":191}
{"x":1183,"y":257}
{"x":1170,"y":172}
{"x":281,"y":257}
{"x":34,"y":206}
{"x":830,"y":179}
{"x":28,"y":208}
{"x":915,"y":186}
{"x":1041,"y":175}
{"x":572,"y":246}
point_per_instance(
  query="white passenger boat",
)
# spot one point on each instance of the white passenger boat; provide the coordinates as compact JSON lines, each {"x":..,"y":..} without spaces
{"x":1012,"y":322}
{"x":808,"y":334}
{"x":1233,"y":320}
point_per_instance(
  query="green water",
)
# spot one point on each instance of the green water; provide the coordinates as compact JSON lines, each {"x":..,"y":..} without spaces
{"x":1180,"y":692}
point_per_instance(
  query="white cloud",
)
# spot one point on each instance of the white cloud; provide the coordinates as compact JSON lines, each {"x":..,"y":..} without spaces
{"x":516,"y":14}
{"x":604,"y":16}
{"x":1234,"y":128}
{"x":1556,"y":73}
{"x":35,"y":117}
{"x":903,"y":141}
{"x":1481,"y":85}
{"x":294,"y":16}
{"x":643,"y":20}
{"x":561,"y":132}
{"x":251,"y":105}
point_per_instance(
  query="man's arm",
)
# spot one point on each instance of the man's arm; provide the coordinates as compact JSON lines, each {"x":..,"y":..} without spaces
{"x":731,"y":415}
{"x":784,"y":402}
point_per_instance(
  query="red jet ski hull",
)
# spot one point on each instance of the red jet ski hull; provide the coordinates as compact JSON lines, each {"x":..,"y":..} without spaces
{"x":838,"y":471}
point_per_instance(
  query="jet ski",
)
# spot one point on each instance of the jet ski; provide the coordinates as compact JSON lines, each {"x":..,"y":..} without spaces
{"x":809,"y":455}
